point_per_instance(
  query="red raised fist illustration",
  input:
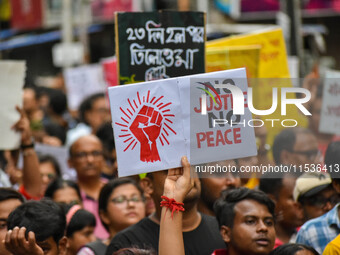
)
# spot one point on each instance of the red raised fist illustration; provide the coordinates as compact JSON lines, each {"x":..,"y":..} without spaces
{"x":146,"y":128}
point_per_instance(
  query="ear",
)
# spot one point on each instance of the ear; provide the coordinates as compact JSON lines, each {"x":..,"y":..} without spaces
{"x":225,"y":233}
{"x":147,"y":186}
{"x":103,"y":217}
{"x":284,"y":157}
{"x":62,"y":245}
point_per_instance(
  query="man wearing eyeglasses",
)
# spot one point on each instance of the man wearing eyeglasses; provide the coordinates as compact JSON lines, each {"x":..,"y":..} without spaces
{"x":315,"y":193}
{"x":296,"y":146}
{"x":320,"y":231}
{"x":86,"y":157}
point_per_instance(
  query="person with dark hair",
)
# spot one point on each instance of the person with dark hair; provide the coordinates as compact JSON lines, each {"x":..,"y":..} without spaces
{"x":320,"y":231}
{"x":121,"y":204}
{"x":93,"y":112}
{"x":64,"y":191}
{"x":80,"y":226}
{"x":105,"y":134}
{"x":199,"y":231}
{"x":32,"y":108}
{"x":246,"y":220}
{"x":294,"y":249}
{"x":246,"y":217}
{"x":213,"y":184}
{"x":54,"y":134}
{"x":332,"y":161}
{"x":86,"y":157}
{"x":57,"y":106}
{"x":296,"y":146}
{"x":36,"y":228}
{"x":288,"y":213}
{"x":9,"y":200}
{"x":49,"y":170}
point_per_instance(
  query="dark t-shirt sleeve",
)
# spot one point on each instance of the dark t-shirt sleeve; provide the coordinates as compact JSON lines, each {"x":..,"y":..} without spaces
{"x":144,"y":234}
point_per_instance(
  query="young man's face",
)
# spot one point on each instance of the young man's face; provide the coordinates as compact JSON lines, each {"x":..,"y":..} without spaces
{"x":49,"y":246}
{"x":6,"y":207}
{"x":253,"y":231}
{"x":290,"y":215}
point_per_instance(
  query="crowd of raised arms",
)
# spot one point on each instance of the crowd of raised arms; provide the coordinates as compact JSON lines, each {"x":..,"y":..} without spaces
{"x":88,"y":210}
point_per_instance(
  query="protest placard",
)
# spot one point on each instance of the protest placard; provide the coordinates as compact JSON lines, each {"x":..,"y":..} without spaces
{"x":148,"y":126}
{"x":109,"y":66}
{"x":232,"y":57}
{"x":157,"y":45}
{"x":82,"y":82}
{"x":156,"y":123}
{"x":273,"y":71}
{"x":330,"y":111}
{"x":12,"y":75}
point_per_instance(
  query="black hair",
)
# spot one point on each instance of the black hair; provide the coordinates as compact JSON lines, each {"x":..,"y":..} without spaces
{"x":135,"y":251}
{"x":44,"y":158}
{"x":45,"y":218}
{"x":285,"y":140}
{"x":57,"y":101}
{"x":291,"y":249}
{"x":224,"y":207}
{"x":272,"y":183}
{"x":105,"y":134}
{"x":87,"y":105}
{"x":9,"y":193}
{"x":332,"y":160}
{"x":58,"y":184}
{"x":271,"y":186}
{"x":56,"y":130}
{"x":107,"y":190}
{"x":80,"y":220}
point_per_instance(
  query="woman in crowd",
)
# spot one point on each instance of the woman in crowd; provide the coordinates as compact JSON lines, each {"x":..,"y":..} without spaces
{"x":64,"y":191}
{"x":49,"y":170}
{"x":121,"y":204}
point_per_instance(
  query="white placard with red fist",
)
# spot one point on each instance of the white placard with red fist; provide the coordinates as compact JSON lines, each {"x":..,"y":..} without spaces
{"x":156,"y":123}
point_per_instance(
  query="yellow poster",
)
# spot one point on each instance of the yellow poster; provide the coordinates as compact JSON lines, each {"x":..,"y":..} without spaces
{"x":232,"y":57}
{"x":273,"y":69}
{"x":5,"y":10}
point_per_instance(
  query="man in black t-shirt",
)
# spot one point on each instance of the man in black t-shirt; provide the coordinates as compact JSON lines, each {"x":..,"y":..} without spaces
{"x":200,"y":232}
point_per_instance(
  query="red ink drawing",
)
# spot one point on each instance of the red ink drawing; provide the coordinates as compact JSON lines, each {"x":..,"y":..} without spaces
{"x":145,"y":122}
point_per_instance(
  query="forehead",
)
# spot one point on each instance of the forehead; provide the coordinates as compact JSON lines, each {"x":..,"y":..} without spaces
{"x":47,"y":167}
{"x":65,"y":193}
{"x":86,"y":143}
{"x":251,"y":208}
{"x":125,"y":189}
{"x":99,"y":102}
{"x":305,"y":141}
{"x":7,"y":206}
{"x":288,"y":183}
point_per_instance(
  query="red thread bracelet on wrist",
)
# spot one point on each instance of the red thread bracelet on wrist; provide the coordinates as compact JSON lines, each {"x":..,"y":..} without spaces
{"x":171,"y":204}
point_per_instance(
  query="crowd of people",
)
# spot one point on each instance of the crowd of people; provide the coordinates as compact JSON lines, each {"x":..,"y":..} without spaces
{"x":176,"y":211}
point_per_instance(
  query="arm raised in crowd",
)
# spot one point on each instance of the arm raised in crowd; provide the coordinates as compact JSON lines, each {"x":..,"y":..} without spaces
{"x":30,"y":172}
{"x":176,"y":186}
